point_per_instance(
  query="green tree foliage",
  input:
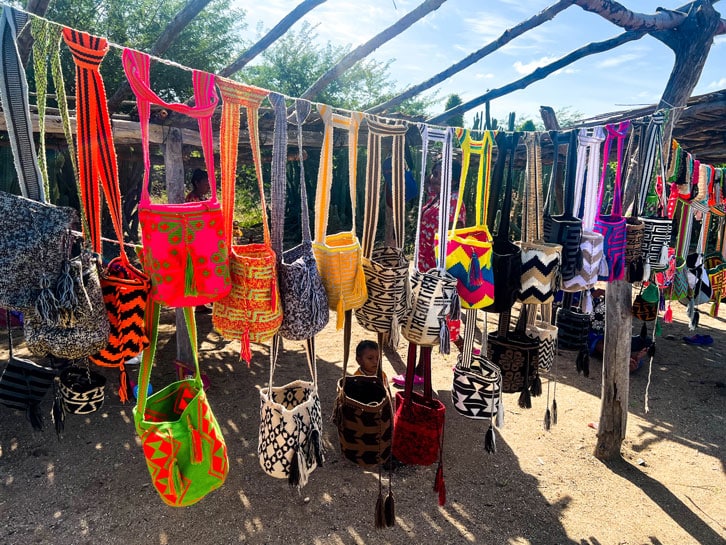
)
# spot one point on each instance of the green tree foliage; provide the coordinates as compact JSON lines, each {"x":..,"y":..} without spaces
{"x":455,"y":120}
{"x":209,"y":42}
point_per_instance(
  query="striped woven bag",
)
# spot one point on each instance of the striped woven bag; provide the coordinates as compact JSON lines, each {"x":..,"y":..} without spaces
{"x":252,"y":311}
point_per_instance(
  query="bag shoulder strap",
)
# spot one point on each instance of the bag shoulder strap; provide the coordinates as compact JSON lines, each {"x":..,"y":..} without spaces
{"x":333,"y":121}
{"x":618,"y":133}
{"x":379,"y":128}
{"x":445,"y":136}
{"x":235,"y":96}
{"x":275,"y":347}
{"x":651,"y":152}
{"x":586,"y":175}
{"x":483,"y":148}
{"x":509,"y":144}
{"x":137,"y":68}
{"x":532,"y":212}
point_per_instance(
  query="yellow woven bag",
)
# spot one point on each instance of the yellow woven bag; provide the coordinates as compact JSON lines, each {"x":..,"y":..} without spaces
{"x":339,"y":255}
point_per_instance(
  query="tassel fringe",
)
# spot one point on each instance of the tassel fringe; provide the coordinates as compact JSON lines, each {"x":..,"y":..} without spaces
{"x":440,"y":485}
{"x":554,"y":412}
{"x":490,"y":442}
{"x":380,"y":515}
{"x":245,"y":352}
{"x":444,"y":337}
{"x":536,"y":388}
{"x":389,"y":509}
{"x":500,"y":412}
{"x":475,"y":277}
{"x":547,"y":422}
{"x":57,"y":414}
{"x":525,"y":401}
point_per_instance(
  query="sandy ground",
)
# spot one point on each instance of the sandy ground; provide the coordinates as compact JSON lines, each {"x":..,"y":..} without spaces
{"x":539,"y":488}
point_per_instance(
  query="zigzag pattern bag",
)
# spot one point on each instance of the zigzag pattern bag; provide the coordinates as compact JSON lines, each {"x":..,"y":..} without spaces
{"x":185,"y":253}
{"x":183,"y":445}
{"x":291,"y":425}
{"x":433,"y":295}
{"x":469,"y":249}
{"x":252,"y":311}
{"x":540,"y":260}
{"x":304,"y":301}
{"x":545,"y":333}
{"x":385,"y":268}
{"x":338,"y":255}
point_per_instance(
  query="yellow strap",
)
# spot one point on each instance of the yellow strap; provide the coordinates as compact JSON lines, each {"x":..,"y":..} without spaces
{"x":483,"y":148}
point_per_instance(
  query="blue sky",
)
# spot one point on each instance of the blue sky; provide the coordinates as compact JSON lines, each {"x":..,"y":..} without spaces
{"x":632,"y":74}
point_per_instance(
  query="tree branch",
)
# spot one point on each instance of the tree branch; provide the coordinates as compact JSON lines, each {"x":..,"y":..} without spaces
{"x":506,"y":37}
{"x":283,"y":26}
{"x":621,"y":16}
{"x":162,"y":43}
{"x":542,"y":72}
{"x":371,"y":45}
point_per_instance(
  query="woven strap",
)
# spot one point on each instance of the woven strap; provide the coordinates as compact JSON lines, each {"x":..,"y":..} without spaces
{"x":483,"y":148}
{"x":652,"y":153}
{"x":234,"y":97}
{"x":685,"y":226}
{"x":96,"y":153}
{"x":325,"y":172}
{"x":446,"y":138}
{"x":586,"y":175}
{"x":467,"y":352}
{"x":279,"y":169}
{"x":275,"y":347}
{"x":147,"y":361}
{"x":425,"y":360}
{"x":507,"y":144}
{"x":137,"y":68}
{"x":532,"y":220}
{"x":378,"y":129}
{"x":46,"y":47}
{"x":619,"y":134}
{"x":570,"y":139}
{"x":14,"y":93}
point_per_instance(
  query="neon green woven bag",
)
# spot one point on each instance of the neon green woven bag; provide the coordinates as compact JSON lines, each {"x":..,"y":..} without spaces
{"x":183,"y":444}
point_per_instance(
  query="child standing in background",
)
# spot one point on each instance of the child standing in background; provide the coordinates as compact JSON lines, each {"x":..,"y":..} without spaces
{"x":367,"y":356}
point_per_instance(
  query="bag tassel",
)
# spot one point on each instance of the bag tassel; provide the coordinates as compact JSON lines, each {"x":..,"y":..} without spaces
{"x":668,"y":316}
{"x":46,"y":305}
{"x":340,"y":311}
{"x":490,"y":442}
{"x":190,"y":286}
{"x":661,"y":303}
{"x":123,"y":391}
{"x":663,"y":260}
{"x":582,"y":362}
{"x":525,"y":401}
{"x":500,"y":411}
{"x":317,"y":447}
{"x":293,"y":477}
{"x":547,"y":422}
{"x":66,"y":295}
{"x":455,"y":307}
{"x":380,"y":515}
{"x":197,"y":454}
{"x":440,"y":484}
{"x":57,"y":414}
{"x":35,"y":416}
{"x":646,"y":271}
{"x":389,"y":508}
{"x":603,"y":270}
{"x":393,"y":334}
{"x":273,"y":296}
{"x":444,"y":337}
{"x":475,"y":276}
{"x":694,"y":320}
{"x":536,"y":388}
{"x":245,"y":351}
{"x":554,"y":411}
{"x":588,"y":302}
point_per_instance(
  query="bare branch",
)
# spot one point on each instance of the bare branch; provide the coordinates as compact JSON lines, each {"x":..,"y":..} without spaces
{"x":506,"y":37}
{"x":371,"y":45}
{"x":280,"y":28}
{"x":162,"y":43}
{"x":619,"y":15}
{"x":541,"y":73}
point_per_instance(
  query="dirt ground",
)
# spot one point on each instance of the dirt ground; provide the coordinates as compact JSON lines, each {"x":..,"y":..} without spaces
{"x":539,"y":488}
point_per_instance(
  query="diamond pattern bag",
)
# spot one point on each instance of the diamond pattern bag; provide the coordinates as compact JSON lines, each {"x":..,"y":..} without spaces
{"x":183,"y":445}
{"x":304,"y":301}
{"x":184,"y":253}
{"x":291,"y":425}
{"x":252,"y":311}
{"x":385,"y":267}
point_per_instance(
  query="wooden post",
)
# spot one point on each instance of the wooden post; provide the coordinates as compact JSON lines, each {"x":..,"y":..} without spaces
{"x":616,"y":370}
{"x":174,"y":165}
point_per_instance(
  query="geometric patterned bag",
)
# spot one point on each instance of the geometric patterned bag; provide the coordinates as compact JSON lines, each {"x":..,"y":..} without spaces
{"x":291,"y":425}
{"x":645,"y":304}
{"x":82,"y":391}
{"x":385,"y":267}
{"x":185,"y":253}
{"x":545,"y":333}
{"x":304,"y":301}
{"x":183,"y":445}
{"x":252,"y":311}
{"x":540,"y":260}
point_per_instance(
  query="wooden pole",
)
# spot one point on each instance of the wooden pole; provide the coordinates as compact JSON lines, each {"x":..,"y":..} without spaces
{"x":174,"y":165}
{"x":615,"y":370}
